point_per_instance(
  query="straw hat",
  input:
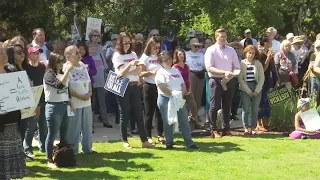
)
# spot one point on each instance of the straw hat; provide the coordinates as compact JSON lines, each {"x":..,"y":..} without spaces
{"x":298,"y":39}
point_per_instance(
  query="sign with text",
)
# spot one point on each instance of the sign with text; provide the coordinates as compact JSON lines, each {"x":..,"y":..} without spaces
{"x":311,"y":119}
{"x":278,"y":95}
{"x":29,"y":112}
{"x":15,"y":92}
{"x":93,"y":24}
{"x":116,"y":85}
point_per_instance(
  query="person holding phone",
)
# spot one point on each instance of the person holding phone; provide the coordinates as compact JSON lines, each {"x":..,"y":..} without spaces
{"x":126,"y":64}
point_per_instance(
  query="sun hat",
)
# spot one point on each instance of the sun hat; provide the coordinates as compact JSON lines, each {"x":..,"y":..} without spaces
{"x":302,"y":102}
{"x":297,"y":39}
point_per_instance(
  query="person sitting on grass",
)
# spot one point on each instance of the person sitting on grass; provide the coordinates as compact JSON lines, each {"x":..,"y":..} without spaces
{"x":300,"y":131}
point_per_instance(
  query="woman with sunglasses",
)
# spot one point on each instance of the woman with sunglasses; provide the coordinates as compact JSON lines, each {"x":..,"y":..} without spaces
{"x":170,"y":81}
{"x":149,"y":67}
{"x":57,"y":100}
{"x":125,"y":62}
{"x":81,"y":91}
{"x":195,"y":61}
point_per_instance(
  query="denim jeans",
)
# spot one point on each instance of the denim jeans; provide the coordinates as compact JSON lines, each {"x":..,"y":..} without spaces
{"x":31,"y":128}
{"x":57,"y":120}
{"x":182,"y":120}
{"x":130,"y":105}
{"x":80,"y":124}
{"x":250,"y":103}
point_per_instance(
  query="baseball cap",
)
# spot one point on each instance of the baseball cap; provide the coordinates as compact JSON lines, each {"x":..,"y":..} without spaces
{"x":289,"y":36}
{"x":247,"y":31}
{"x":34,"y":49}
{"x":192,"y":33}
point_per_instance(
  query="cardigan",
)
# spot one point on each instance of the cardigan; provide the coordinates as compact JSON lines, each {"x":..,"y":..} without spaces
{"x":258,"y":76}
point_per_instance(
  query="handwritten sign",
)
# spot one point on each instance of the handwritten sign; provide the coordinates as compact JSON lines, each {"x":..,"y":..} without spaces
{"x":116,"y":85}
{"x":29,"y":112}
{"x":311,"y":119}
{"x":278,"y":95}
{"x":93,"y":24}
{"x":15,"y":92}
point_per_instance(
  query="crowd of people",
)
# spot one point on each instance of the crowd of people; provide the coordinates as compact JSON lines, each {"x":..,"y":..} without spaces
{"x":168,"y":80}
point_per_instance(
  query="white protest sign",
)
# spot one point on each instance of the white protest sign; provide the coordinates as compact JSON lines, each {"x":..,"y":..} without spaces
{"x":311,"y":119}
{"x":93,"y":24}
{"x":15,"y":92}
{"x":29,"y":112}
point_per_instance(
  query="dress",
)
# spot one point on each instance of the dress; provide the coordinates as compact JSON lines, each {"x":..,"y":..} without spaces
{"x":12,"y":159}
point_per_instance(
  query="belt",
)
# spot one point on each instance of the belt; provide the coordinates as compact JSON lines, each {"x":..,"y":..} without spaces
{"x":62,"y":102}
{"x":133,"y":83}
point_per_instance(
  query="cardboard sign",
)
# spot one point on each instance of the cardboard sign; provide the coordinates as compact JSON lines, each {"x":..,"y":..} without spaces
{"x":278,"y":95}
{"x":93,"y":24}
{"x":116,"y":85}
{"x":29,"y":112}
{"x":311,"y":119}
{"x":15,"y":92}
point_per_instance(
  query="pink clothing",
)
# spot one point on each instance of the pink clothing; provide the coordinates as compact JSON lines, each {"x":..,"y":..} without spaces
{"x":223,"y":58}
{"x":185,"y":72}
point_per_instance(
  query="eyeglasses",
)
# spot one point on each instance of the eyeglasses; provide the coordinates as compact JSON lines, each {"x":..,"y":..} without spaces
{"x":75,"y":53}
{"x":156,"y":35}
{"x":95,"y":35}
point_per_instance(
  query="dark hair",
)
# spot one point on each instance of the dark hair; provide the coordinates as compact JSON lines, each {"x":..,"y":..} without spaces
{"x":53,"y":58}
{"x":34,"y":32}
{"x":251,"y":48}
{"x":85,"y":46}
{"x":161,"y":56}
{"x":152,"y":41}
{"x":247,"y":42}
{"x":12,"y":60}
{"x":264,"y":40}
{"x":119,"y":47}
{"x":175,"y":58}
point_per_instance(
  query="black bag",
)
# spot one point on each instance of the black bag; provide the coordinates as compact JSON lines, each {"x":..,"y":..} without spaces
{"x":63,"y":156}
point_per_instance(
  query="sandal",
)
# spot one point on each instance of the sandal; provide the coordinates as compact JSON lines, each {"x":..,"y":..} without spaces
{"x":127,"y":145}
{"x":161,"y":140}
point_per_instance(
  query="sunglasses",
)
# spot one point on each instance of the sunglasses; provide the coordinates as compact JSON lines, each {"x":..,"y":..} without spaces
{"x":155,"y":35}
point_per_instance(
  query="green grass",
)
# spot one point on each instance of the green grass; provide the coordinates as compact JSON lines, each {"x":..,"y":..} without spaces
{"x":264,"y":157}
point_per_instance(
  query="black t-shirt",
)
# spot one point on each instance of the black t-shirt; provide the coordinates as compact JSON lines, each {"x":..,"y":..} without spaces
{"x":36,"y":75}
{"x":268,"y":71}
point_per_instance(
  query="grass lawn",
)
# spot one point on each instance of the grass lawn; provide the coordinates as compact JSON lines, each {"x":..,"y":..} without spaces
{"x":265,"y":157}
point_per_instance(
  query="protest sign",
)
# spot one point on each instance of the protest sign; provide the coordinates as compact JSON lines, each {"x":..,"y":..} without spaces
{"x":93,"y":24}
{"x":15,"y":92}
{"x":278,"y":95}
{"x":29,"y":112}
{"x":311,"y":119}
{"x":116,"y":85}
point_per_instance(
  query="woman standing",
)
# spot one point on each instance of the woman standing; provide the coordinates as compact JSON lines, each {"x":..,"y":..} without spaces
{"x":285,"y":63}
{"x":12,"y":158}
{"x":126,"y":62}
{"x":208,"y":42}
{"x":170,"y":81}
{"x":195,"y":61}
{"x":149,"y":67}
{"x":251,"y":79}
{"x":179,"y":62}
{"x":266,"y":58}
{"x":57,"y":100}
{"x":17,"y":57}
{"x":81,"y":90}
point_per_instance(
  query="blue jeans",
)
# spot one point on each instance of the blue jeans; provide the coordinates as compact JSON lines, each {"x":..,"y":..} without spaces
{"x":31,"y":128}
{"x":182,"y":120}
{"x":81,"y":124}
{"x":57,"y":120}
{"x":250,"y":103}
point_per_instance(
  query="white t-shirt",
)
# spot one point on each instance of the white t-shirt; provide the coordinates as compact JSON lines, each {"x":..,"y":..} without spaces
{"x":171,"y":77}
{"x":79,"y":81}
{"x":195,"y":61}
{"x":151,"y":63}
{"x":122,"y":60}
{"x":53,"y":94}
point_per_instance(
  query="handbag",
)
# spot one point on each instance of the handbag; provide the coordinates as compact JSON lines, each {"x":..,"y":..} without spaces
{"x":293,"y":78}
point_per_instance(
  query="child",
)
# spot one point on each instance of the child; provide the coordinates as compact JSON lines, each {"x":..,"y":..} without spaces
{"x":301,"y":132}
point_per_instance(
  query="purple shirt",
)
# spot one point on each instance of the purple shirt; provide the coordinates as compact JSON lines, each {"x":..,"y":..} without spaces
{"x":92,"y":67}
{"x":222,"y":58}
{"x":185,"y":72}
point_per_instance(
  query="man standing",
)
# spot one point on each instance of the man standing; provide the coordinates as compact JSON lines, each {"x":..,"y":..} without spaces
{"x":221,"y":61}
{"x":247,"y":34}
{"x":39,"y":40}
{"x":271,"y":33}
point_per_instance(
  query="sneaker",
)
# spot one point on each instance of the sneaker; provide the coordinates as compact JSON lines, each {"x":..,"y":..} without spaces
{"x":147,"y":145}
{"x":194,"y":147}
{"x":51,"y":165}
{"x":127,"y":145}
{"x":30,"y":154}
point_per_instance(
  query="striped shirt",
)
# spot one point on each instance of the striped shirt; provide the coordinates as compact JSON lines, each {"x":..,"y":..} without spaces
{"x":250,"y":72}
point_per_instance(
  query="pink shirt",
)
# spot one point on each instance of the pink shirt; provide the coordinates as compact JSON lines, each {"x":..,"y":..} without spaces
{"x":185,"y":72}
{"x":222,"y":58}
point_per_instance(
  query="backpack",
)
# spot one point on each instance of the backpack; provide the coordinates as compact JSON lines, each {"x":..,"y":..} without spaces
{"x":63,"y":156}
